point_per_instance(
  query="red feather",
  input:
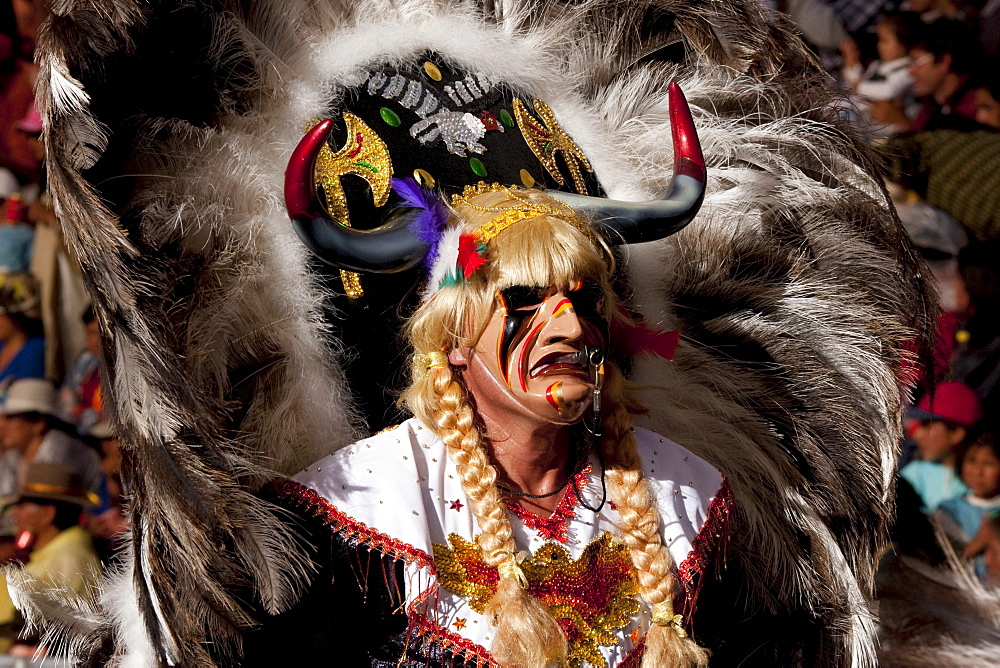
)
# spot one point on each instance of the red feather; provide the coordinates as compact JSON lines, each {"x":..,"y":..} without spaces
{"x":469,"y":254}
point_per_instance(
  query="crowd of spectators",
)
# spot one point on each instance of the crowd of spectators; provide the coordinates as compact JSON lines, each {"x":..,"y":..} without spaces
{"x":60,"y":489}
{"x":922,"y":79}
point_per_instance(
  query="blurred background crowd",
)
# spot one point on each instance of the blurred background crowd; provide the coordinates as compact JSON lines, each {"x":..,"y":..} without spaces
{"x":59,"y":475}
{"x":920,"y":77}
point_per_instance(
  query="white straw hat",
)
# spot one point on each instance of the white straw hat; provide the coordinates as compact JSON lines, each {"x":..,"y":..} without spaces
{"x":30,"y":395}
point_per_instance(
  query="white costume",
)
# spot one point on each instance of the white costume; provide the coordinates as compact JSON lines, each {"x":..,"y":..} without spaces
{"x":399,"y":493}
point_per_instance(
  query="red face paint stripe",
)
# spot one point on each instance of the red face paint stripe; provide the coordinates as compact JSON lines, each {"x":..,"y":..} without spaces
{"x":562,"y":307}
{"x":528,"y":341}
{"x":554,"y":395}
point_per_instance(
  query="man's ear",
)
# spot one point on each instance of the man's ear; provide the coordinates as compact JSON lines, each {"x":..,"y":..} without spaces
{"x":459,"y":357}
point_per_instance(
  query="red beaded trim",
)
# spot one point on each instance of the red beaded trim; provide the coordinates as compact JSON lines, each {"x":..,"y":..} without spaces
{"x":713,"y":533}
{"x":554,"y":527}
{"x":634,"y":658}
{"x":433,"y":633}
{"x":310,"y":501}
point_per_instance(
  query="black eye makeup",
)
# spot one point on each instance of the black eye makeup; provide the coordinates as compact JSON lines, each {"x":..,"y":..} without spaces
{"x":523,"y":297}
{"x":588,"y":301}
{"x":519,"y":304}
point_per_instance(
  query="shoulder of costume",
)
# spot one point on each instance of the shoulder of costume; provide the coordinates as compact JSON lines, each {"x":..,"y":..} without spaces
{"x":668,"y":466}
{"x":693,"y":494}
{"x":370,"y":491}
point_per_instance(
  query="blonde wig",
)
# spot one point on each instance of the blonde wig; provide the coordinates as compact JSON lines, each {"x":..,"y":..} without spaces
{"x":538,"y":251}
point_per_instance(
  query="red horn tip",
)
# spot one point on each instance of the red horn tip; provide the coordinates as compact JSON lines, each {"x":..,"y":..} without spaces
{"x":300,"y":191}
{"x":688,"y":159}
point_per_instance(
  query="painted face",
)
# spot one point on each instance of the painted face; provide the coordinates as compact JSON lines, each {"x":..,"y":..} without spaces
{"x":981,"y":472}
{"x":528,"y":357}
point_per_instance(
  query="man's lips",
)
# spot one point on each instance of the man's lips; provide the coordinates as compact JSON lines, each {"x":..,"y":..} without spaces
{"x":559,"y":363}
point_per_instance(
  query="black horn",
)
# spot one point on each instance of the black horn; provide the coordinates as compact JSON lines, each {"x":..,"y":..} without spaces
{"x":635,"y":222}
{"x":386,"y":249}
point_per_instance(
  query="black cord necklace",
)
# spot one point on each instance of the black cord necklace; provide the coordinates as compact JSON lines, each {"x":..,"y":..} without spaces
{"x":558,"y":489}
{"x":582,"y":460}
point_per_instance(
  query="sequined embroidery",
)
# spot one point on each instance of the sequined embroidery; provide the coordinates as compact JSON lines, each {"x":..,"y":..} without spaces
{"x":365,"y":155}
{"x":590,"y":597}
{"x":546,"y":139}
{"x":556,"y":526}
{"x":460,"y":131}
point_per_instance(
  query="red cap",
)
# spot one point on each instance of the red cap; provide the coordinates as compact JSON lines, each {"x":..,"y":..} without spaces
{"x":952,"y":402}
{"x":32,"y":121}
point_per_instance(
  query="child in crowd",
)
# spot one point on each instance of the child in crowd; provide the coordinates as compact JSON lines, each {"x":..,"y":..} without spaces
{"x":80,"y":395}
{"x":944,"y":421}
{"x":887,"y":79}
{"x":962,"y":516}
{"x":16,"y":235}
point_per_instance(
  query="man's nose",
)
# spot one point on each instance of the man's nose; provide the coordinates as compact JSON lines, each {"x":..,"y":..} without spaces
{"x":564,"y":323}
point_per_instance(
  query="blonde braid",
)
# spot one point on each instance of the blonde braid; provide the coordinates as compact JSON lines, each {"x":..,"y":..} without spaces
{"x":526,"y":634}
{"x":640,"y":526}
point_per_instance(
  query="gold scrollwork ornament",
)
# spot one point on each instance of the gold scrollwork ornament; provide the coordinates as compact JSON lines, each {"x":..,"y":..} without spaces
{"x":546,"y":139}
{"x":364,"y":155}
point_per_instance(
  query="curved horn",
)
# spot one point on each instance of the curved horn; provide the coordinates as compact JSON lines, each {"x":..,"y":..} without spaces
{"x":635,"y":222}
{"x":383,"y":250}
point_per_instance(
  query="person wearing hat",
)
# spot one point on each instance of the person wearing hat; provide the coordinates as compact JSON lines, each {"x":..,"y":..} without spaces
{"x":22,"y":348}
{"x":30,"y":425}
{"x":47,"y":510}
{"x":943,"y":420}
{"x":108,"y":526}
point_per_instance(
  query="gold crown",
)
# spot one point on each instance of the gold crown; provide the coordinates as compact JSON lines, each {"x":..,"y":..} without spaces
{"x":510,"y":215}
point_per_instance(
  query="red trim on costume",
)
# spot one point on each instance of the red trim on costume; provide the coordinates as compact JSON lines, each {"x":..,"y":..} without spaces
{"x":634,"y":658}
{"x":310,"y":500}
{"x":430,"y":632}
{"x":554,"y":527}
{"x":713,"y":533}
{"x":424,"y":628}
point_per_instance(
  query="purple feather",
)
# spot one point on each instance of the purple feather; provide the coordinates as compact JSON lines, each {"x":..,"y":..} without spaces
{"x":429,"y":222}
